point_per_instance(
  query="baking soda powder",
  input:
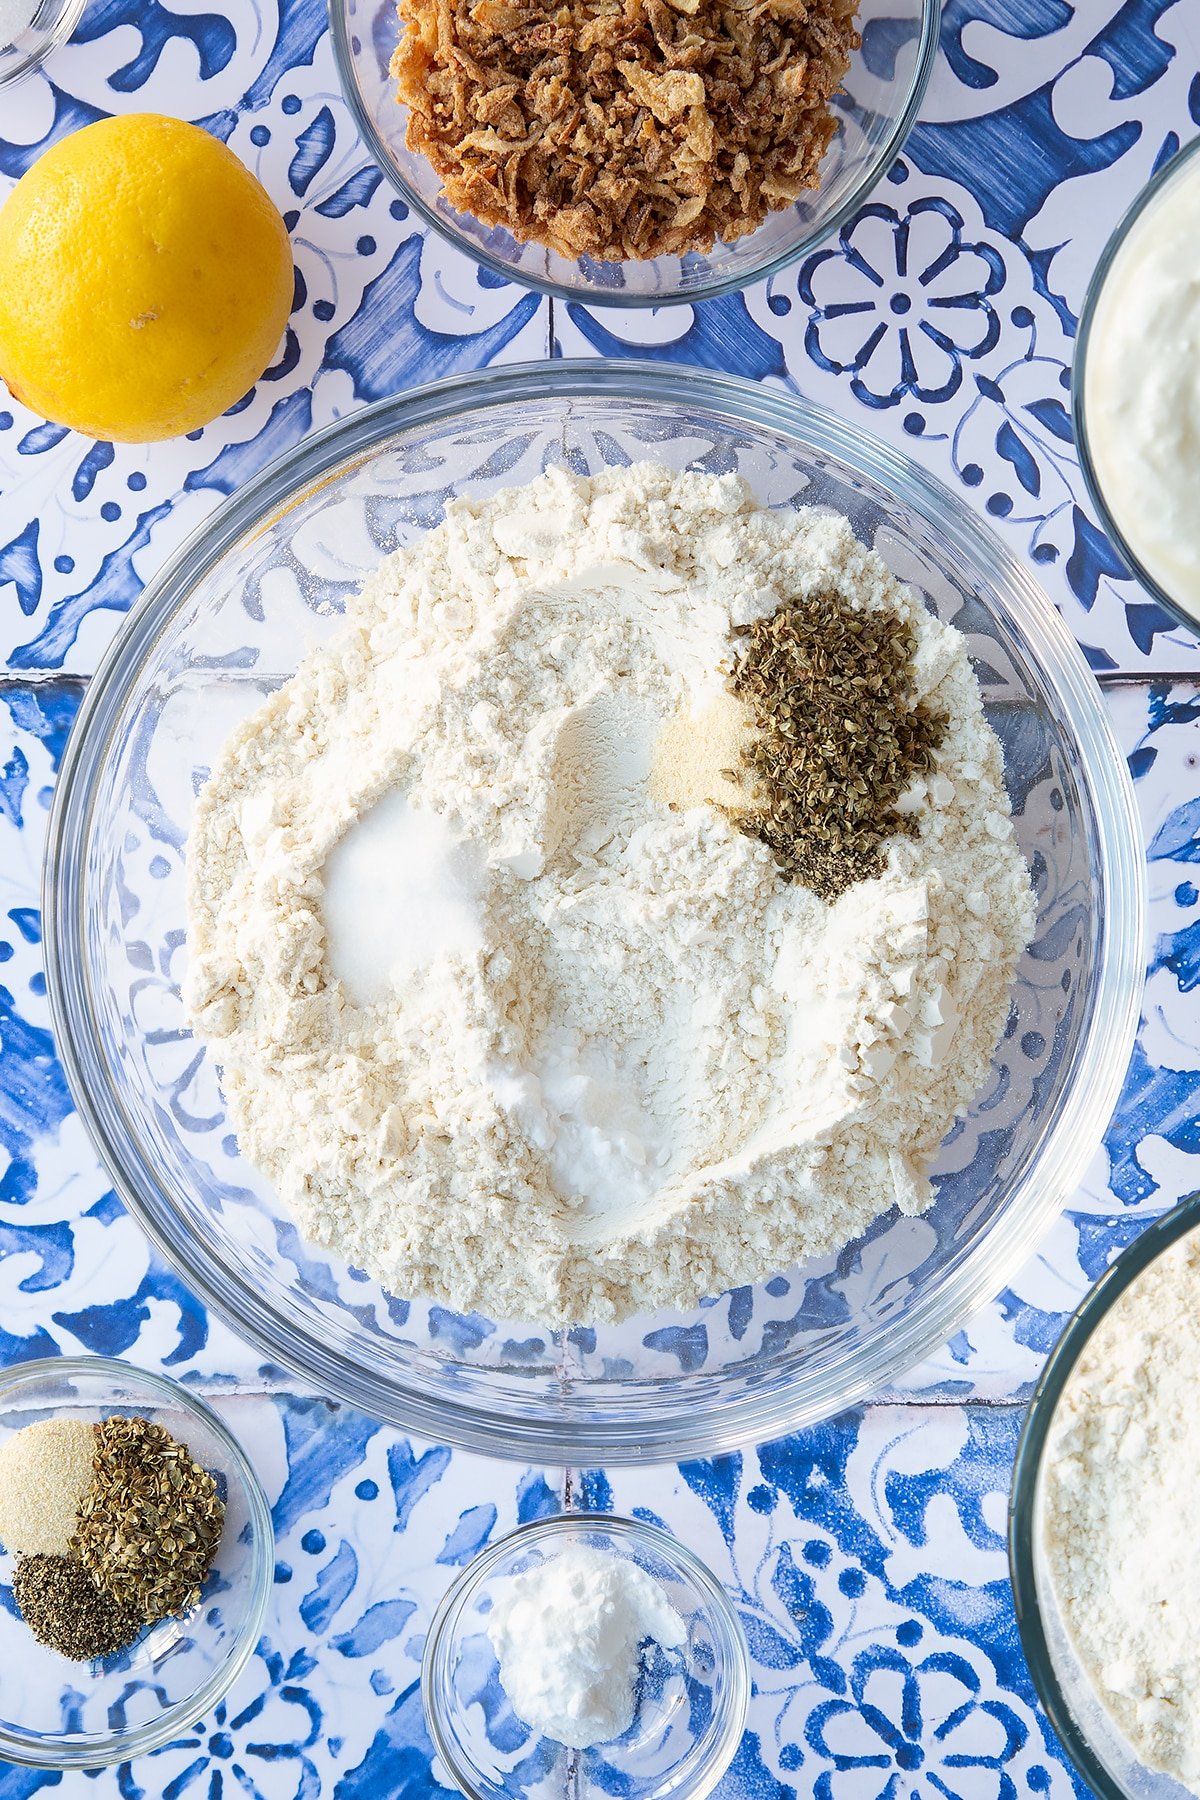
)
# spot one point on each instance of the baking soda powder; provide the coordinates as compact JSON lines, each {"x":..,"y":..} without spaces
{"x":568,"y":1636}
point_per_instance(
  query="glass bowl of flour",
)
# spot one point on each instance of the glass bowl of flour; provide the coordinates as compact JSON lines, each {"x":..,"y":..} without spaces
{"x":587,"y":1650}
{"x":221,"y":630}
{"x":1101,"y":1538}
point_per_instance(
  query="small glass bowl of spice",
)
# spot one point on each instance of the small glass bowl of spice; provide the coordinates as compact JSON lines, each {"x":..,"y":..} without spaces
{"x":586,"y":1654}
{"x":136,"y":1559}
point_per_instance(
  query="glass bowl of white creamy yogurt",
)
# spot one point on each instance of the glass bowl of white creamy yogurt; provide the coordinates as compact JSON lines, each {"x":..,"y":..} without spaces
{"x":223,"y":627}
{"x":1101,"y":1531}
{"x":590,"y":1652}
{"x":1135,"y":390}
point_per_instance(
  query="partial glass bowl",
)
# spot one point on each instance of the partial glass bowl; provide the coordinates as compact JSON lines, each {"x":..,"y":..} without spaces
{"x":56,"y":1714}
{"x":52,"y":23}
{"x":691,"y":1702}
{"x":1102,"y":1755}
{"x":875,"y":109}
{"x":1108,"y":508}
{"x":224,"y":623}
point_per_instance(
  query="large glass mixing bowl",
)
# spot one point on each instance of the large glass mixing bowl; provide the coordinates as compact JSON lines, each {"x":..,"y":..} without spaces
{"x":225,"y":622}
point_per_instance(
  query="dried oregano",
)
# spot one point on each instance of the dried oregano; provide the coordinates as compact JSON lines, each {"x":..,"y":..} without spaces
{"x":838,"y":737}
{"x":151,"y":1521}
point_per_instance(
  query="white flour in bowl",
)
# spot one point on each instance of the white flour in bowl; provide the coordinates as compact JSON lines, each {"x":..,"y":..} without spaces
{"x":1121,"y":1469}
{"x":511,"y":1016}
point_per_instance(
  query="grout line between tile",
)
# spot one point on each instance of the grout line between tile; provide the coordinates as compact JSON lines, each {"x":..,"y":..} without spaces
{"x":24,"y":678}
{"x":215,"y":1389}
{"x":1116,"y":678}
{"x":1106,"y":679}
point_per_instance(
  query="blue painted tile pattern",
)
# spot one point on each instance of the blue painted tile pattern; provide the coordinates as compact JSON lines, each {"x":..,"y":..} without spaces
{"x":866,"y":1555}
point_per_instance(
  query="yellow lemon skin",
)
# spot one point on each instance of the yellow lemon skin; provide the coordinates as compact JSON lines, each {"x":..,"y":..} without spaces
{"x":145,"y":280}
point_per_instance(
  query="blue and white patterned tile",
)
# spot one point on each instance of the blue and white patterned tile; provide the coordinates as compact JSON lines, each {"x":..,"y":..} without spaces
{"x":379,"y":305}
{"x":943,"y":315}
{"x":881,"y":1667}
{"x":76,"y":1274}
{"x":371,"y":1529}
{"x":1150,"y":1157}
{"x":1035,"y":133}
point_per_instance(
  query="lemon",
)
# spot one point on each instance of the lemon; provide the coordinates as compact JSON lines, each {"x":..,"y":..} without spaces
{"x":145,"y":280}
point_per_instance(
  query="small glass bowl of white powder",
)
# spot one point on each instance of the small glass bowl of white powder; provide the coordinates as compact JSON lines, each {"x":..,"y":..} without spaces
{"x":1102,"y":1523}
{"x":591,"y":1651}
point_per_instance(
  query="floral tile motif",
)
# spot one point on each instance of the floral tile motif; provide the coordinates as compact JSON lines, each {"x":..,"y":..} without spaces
{"x":901,"y":303}
{"x":943,"y":318}
{"x":946,"y":308}
{"x":880,"y":1669}
{"x":371,"y":1529}
{"x":379,"y":306}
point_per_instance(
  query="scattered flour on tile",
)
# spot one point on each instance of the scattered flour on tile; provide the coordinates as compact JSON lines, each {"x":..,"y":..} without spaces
{"x":1121,"y":1465}
{"x":506,"y":1026}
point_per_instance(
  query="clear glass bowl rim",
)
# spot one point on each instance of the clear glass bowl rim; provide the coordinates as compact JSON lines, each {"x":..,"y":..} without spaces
{"x":683,"y":1430}
{"x":873,"y":170}
{"x":1108,"y":256}
{"x":573,"y":1525}
{"x":119,"y":1746}
{"x":53,"y":38}
{"x":1088,"y":1316}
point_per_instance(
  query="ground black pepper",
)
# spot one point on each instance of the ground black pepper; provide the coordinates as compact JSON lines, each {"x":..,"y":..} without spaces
{"x":64,"y":1608}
